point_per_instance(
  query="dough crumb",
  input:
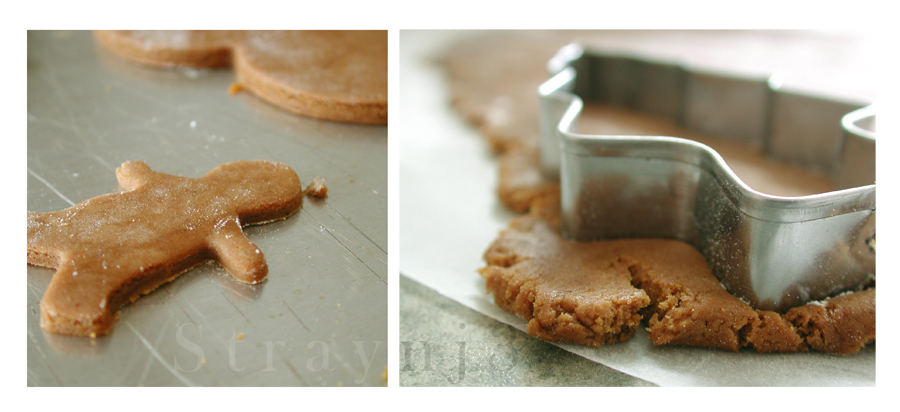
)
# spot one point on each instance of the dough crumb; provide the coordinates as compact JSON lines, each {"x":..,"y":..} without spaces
{"x":317,"y":188}
{"x":234,"y":89}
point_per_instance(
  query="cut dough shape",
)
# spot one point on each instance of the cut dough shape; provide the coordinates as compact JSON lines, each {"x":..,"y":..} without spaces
{"x":334,"y":75}
{"x":110,"y":250}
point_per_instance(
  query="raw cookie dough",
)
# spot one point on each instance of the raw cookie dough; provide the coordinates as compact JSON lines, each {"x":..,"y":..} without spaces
{"x":598,"y":292}
{"x":494,"y":79}
{"x":317,"y":188}
{"x":112,"y":249}
{"x":568,"y":291}
{"x":334,"y":75}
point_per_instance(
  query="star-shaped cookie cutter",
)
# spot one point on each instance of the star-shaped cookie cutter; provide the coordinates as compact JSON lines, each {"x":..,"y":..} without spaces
{"x":774,"y":252}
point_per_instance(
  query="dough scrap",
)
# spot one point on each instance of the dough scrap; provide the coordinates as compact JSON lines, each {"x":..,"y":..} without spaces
{"x":334,"y":75}
{"x":111,"y":249}
{"x":316,"y":188}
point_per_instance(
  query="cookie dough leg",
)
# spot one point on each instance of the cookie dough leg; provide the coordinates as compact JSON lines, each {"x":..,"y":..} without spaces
{"x":71,"y":307}
{"x":238,"y":255}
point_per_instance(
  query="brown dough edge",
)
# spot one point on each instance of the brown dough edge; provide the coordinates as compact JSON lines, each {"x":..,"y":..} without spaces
{"x":375,"y":112}
{"x":561,"y":323}
{"x":128,"y":48}
{"x":588,"y":322}
{"x":155,"y":278}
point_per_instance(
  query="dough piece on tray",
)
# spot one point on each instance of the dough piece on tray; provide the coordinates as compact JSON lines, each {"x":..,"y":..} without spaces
{"x":110,"y":250}
{"x":597,"y":292}
{"x":334,"y":75}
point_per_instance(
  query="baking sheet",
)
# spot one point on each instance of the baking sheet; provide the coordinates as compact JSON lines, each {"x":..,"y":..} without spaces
{"x":450,"y":214}
{"x":319,"y":320}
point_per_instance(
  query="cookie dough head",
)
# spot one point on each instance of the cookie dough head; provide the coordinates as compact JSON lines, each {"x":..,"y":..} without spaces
{"x":260,"y":191}
{"x":132,"y":175}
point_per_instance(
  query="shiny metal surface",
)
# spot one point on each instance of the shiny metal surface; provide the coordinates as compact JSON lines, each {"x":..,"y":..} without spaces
{"x":775,"y":252}
{"x":319,"y":320}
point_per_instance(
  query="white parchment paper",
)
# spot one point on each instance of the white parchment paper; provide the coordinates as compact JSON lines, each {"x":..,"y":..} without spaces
{"x":449,"y":214}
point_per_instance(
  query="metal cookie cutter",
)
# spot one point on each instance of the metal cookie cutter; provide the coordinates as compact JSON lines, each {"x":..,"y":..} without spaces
{"x":774,"y":252}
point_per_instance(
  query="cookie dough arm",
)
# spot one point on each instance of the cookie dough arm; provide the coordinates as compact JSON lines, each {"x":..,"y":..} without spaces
{"x":237,"y":254}
{"x":132,"y":175}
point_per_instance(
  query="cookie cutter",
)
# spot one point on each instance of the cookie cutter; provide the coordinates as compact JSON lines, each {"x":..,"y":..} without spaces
{"x":774,"y":252}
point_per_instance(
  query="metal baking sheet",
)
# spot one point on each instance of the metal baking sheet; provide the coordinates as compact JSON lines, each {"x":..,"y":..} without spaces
{"x":319,"y":320}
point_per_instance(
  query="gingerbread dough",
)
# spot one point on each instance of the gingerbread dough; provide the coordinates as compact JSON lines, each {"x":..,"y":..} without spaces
{"x":568,"y":291}
{"x":112,"y":249}
{"x":334,"y":75}
{"x":317,"y":189}
{"x":593,"y":293}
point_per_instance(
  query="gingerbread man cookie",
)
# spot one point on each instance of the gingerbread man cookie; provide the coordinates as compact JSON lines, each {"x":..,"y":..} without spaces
{"x":335,"y":75}
{"x":112,"y":249}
